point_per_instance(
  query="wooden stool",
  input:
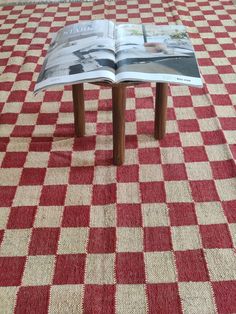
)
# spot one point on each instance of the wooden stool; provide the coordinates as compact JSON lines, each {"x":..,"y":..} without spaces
{"x":118,"y":114}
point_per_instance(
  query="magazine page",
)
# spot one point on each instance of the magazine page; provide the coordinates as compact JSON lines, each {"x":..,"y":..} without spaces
{"x":156,"y":54}
{"x":80,"y":52}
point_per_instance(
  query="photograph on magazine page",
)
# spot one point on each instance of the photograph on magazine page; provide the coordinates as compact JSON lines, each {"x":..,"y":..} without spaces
{"x":79,"y":48}
{"x":155,"y":49}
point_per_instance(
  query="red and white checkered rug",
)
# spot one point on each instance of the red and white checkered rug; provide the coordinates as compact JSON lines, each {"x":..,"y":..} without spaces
{"x":27,"y":2}
{"x":156,"y":235}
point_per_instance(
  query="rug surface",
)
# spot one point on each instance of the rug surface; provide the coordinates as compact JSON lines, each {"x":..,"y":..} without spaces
{"x":25,"y":2}
{"x":156,"y":235}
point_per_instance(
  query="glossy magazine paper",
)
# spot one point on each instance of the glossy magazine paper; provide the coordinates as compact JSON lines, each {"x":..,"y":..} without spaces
{"x":100,"y":50}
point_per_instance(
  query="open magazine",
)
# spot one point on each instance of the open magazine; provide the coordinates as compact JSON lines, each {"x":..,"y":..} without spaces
{"x":99,"y":50}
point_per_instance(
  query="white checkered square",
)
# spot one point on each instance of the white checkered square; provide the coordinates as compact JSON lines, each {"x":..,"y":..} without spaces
{"x":209,"y":213}
{"x":103,"y":216}
{"x":73,"y":240}
{"x":15,"y":242}
{"x":8,"y":298}
{"x":27,"y":195}
{"x":155,"y":215}
{"x":10,"y":176}
{"x":131,"y":299}
{"x":129,"y":239}
{"x":128,"y":191}
{"x":55,"y":175}
{"x":199,"y":171}
{"x":66,"y":299}
{"x":197,"y":297}
{"x":39,"y":270}
{"x":48,"y":217}
{"x":186,"y":238}
{"x":160,"y":267}
{"x":226,"y":188}
{"x":178,"y":191}
{"x":149,"y":173}
{"x":216,"y":258}
{"x":78,"y":195}
{"x":167,"y":156}
{"x":100,"y":269}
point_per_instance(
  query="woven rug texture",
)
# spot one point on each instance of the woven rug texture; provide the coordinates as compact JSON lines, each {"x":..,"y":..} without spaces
{"x":155,"y":235}
{"x":24,"y":2}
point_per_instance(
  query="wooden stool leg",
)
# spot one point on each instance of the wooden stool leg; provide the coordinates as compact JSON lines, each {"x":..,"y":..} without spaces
{"x":118,"y":116}
{"x":79,"y":116}
{"x":160,"y":110}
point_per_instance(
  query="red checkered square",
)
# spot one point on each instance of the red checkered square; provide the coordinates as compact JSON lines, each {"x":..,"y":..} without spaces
{"x":40,"y":145}
{"x":9,"y":118}
{"x":171,"y":140}
{"x":103,"y":157}
{"x":222,"y":100}
{"x":1,"y":236}
{"x":81,"y":175}
{"x":29,"y":107}
{"x":213,"y":137}
{"x":215,"y":236}
{"x":21,"y":217}
{"x":104,"y":194}
{"x":69,"y":269}
{"x":64,"y":130}
{"x":195,"y":154}
{"x":223,"y":169}
{"x":47,"y":118}
{"x":32,"y":300}
{"x":163,"y":298}
{"x":6,"y":195}
{"x":11,"y":270}
{"x":149,"y":156}
{"x":152,"y":192}
{"x":157,"y":239}
{"x":182,"y":214}
{"x":53,"y":195}
{"x":225,"y":293}
{"x":76,"y":216}
{"x":229,"y":210}
{"x":104,"y":128}
{"x":23,"y":131}
{"x":145,"y":128}
{"x":129,"y":215}
{"x":44,"y":241}
{"x":128,"y":173}
{"x":190,"y":125}
{"x":17,"y":96}
{"x":32,"y":176}
{"x":14,"y":159}
{"x":205,"y":112}
{"x":59,"y":159}
{"x":131,"y":141}
{"x":102,"y":240}
{"x":183,"y":101}
{"x":130,"y":268}
{"x":191,"y":266}
{"x":173,"y":172}
{"x":204,"y":191}
{"x":84,"y":143}
{"x":103,"y":297}
{"x":228,"y":123}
